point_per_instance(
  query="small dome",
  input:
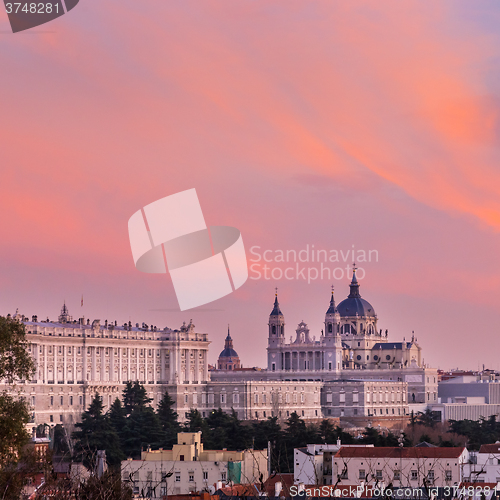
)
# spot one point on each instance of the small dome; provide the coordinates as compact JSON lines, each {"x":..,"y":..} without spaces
{"x":228,"y":353}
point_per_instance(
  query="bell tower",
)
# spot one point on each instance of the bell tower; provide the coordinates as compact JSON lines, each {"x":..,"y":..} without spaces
{"x":276,"y":338}
{"x":332,"y":319}
{"x":332,"y":341}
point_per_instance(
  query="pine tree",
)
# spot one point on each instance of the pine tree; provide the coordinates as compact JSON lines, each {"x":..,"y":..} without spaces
{"x":168,"y":420}
{"x":143,"y":429}
{"x":96,"y":433}
{"x":135,"y":396}
{"x":118,"y":418}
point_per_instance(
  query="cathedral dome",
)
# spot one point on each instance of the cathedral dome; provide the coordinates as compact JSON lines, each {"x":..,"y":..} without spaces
{"x":228,"y":353}
{"x":354,"y":304}
{"x":228,"y":358}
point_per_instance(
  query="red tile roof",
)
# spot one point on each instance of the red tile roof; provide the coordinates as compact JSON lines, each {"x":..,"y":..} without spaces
{"x":390,"y":452}
{"x":490,"y":448}
{"x":286,"y":481}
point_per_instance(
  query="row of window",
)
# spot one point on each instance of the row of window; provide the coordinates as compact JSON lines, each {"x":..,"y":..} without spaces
{"x":364,"y":476}
{"x":106,"y":350}
{"x":61,"y":400}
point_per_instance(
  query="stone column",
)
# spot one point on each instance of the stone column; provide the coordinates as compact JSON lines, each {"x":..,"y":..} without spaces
{"x":138,"y":363}
{"x":65,"y":362}
{"x":179,"y":366}
{"x":162,"y":365}
{"x":120,"y":365}
{"x":55,"y":364}
{"x":155,"y":355}
{"x":75,"y":371}
{"x":205,"y":365}
{"x":197,"y":366}
{"x":111,"y":364}
{"x":188,"y":365}
{"x":93,"y":354}
{"x":84,"y":362}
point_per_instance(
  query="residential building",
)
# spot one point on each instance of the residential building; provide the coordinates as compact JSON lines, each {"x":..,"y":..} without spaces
{"x":188,"y":467}
{"x":402,"y":467}
{"x":484,"y":465}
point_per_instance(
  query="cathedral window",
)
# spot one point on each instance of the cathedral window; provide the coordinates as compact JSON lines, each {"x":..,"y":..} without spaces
{"x":330,"y":328}
{"x":274,"y":330}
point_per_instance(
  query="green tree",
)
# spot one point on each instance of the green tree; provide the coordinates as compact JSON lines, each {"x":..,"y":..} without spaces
{"x":14,"y":416}
{"x":135,"y":396}
{"x":143,"y":429}
{"x":168,"y":419}
{"x":118,"y":418}
{"x":59,"y":441}
{"x":96,"y":433}
{"x":15,"y":360}
{"x":15,"y":364}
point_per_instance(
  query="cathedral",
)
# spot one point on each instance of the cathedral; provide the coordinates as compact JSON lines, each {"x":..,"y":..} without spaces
{"x":349,"y":341}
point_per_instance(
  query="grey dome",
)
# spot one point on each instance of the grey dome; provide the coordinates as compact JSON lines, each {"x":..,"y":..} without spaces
{"x":354,"y":304}
{"x":228,"y":353}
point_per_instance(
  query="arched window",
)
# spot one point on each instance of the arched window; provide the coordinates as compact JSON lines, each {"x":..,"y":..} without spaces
{"x":274,"y":329}
{"x":329,"y":328}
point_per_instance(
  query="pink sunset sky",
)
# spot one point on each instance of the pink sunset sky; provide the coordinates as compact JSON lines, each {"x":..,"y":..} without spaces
{"x":326,"y":123}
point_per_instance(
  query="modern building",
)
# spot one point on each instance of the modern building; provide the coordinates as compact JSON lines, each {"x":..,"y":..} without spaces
{"x":188,"y":468}
{"x":468,"y":396}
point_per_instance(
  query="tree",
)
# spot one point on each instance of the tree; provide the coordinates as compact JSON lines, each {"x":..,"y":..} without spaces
{"x":118,"y":418}
{"x":143,"y":429}
{"x":109,"y":486}
{"x":14,"y":415}
{"x":15,"y":364}
{"x":168,"y":419}
{"x":135,"y":396}
{"x":15,"y":360}
{"x":96,"y":433}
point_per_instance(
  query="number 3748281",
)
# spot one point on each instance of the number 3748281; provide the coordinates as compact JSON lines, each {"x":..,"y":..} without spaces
{"x":32,"y":8}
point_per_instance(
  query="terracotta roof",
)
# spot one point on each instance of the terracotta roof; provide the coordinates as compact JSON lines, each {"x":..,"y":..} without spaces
{"x":490,"y":448}
{"x":286,"y":481}
{"x":390,"y":452}
{"x":239,"y":490}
